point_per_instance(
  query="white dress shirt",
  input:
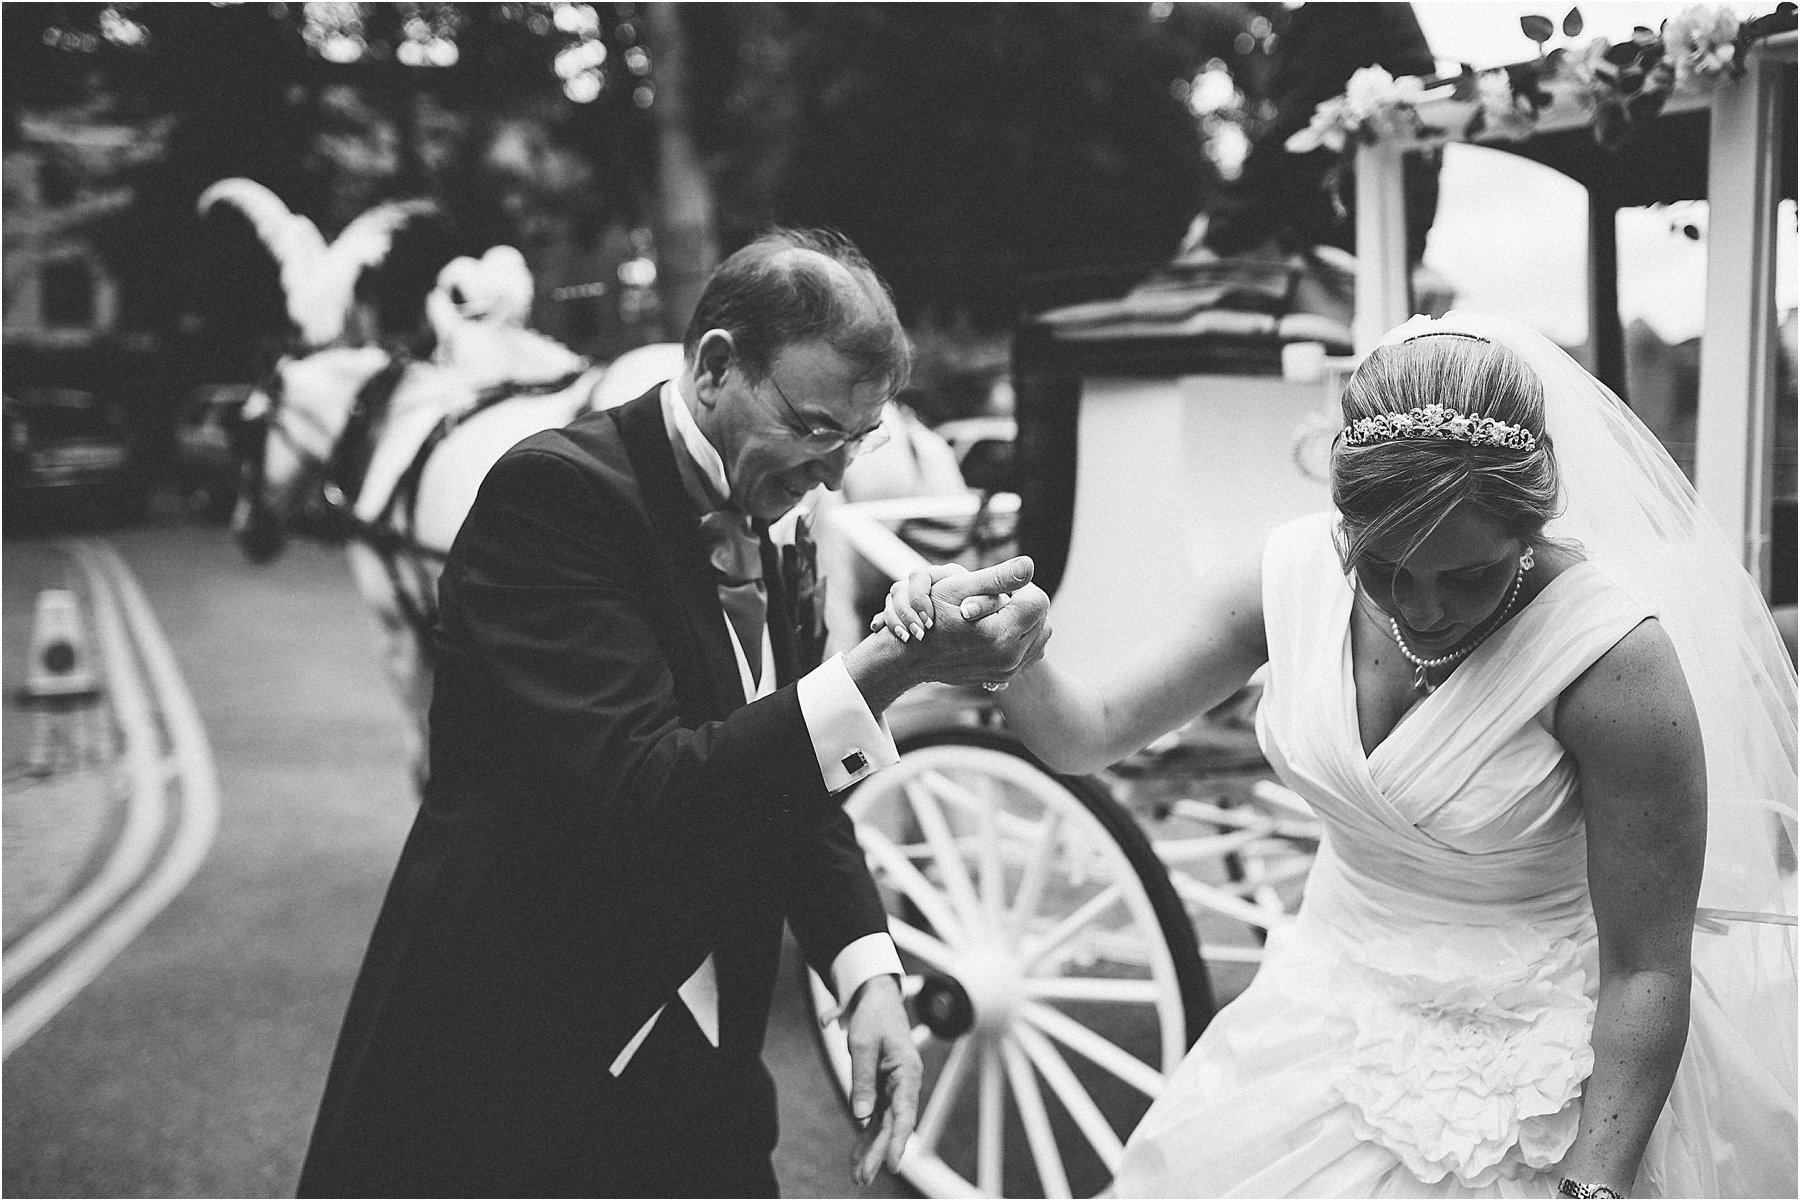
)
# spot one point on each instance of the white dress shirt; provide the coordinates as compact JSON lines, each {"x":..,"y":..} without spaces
{"x":848,"y":740}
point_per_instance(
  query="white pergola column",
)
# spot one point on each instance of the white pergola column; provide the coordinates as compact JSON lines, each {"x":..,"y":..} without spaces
{"x":1734,"y":432}
{"x":1383,"y":292}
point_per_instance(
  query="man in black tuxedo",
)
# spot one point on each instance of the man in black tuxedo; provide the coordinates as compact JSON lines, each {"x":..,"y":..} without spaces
{"x":634,"y":756}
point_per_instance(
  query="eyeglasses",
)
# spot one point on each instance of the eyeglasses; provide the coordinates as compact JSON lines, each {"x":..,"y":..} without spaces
{"x":825,"y":439}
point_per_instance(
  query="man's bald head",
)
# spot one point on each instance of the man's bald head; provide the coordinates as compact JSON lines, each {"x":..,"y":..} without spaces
{"x":800,"y":285}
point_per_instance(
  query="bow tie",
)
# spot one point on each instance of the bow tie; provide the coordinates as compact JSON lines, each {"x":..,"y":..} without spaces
{"x":732,"y":545}
{"x":734,"y":549}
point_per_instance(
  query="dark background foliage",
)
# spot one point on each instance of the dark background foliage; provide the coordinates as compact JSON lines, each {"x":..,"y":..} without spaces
{"x":962,"y":145}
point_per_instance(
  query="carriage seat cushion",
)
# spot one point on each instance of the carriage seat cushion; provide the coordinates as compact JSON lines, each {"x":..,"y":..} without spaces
{"x":1219,"y":328}
{"x":1249,"y":306}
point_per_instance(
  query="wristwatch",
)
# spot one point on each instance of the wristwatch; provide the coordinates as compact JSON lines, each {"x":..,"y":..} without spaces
{"x":1574,"y":1188}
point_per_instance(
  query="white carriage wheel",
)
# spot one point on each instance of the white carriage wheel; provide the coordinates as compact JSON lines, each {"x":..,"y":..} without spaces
{"x":1052,"y":972}
{"x":1238,"y":862}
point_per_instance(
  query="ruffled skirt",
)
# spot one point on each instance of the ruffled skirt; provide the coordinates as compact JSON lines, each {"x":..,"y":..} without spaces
{"x":1448,"y":1060}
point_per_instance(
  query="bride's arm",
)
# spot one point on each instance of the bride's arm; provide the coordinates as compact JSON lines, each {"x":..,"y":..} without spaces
{"x":1078,"y":725}
{"x":1630,"y":724}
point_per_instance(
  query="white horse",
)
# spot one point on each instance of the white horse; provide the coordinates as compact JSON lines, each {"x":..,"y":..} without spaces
{"x":389,"y":456}
{"x":388,"y":453}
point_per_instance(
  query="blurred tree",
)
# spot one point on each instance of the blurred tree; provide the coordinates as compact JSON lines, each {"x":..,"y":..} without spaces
{"x":685,"y":232}
{"x":1280,"y":202}
{"x":961,"y":145}
{"x":966,"y":145}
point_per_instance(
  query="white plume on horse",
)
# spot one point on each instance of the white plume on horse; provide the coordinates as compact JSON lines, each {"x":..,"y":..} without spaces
{"x":318,"y":278}
{"x":495,"y":287}
{"x":478,"y":311}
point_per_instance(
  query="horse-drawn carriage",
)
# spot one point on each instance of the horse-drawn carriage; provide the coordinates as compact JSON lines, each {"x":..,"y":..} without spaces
{"x":1067,"y":939}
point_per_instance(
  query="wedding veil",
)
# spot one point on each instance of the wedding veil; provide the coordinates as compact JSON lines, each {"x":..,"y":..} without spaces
{"x":1638,"y":520}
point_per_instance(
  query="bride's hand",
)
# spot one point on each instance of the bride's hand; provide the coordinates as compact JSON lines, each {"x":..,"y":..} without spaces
{"x":910,"y":609}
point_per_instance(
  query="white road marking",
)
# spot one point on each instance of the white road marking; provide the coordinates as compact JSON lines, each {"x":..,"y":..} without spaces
{"x":197,"y":787}
{"x":145,"y":812}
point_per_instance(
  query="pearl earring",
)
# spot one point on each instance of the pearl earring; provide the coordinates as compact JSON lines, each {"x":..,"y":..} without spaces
{"x":1528,"y":560}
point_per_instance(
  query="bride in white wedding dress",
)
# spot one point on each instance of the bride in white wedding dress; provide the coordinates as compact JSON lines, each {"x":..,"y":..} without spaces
{"x":1548,"y":725}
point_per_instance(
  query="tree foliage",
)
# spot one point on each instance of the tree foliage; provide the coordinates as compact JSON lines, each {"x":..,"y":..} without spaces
{"x":962,"y":145}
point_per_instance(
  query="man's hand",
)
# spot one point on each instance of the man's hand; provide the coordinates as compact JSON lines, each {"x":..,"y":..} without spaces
{"x":975,"y":636}
{"x":985,"y":625}
{"x":885,"y":1073}
{"x":914,"y":602}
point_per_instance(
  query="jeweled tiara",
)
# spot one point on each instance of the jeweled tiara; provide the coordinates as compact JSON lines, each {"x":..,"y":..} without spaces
{"x":1435,"y":422}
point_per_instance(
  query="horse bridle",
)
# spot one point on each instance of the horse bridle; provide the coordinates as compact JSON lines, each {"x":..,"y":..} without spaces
{"x":340,"y":472}
{"x":343,"y":470}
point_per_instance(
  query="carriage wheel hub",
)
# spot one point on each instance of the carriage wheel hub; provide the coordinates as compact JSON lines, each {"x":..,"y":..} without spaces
{"x":945,"y":1008}
{"x":982,"y":996}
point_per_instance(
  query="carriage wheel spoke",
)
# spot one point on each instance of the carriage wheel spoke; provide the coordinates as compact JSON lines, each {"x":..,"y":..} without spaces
{"x":957,"y":885}
{"x":1198,"y":893}
{"x":943,"y":1097}
{"x":993,"y":875}
{"x":1079,"y":1038}
{"x":1183,"y":850}
{"x":900,"y":873}
{"x":1073,"y":1095}
{"x":955,"y":791}
{"x":1038,"y":1135}
{"x":1112,"y":990}
{"x":989,"y":808}
{"x":1037,"y":871}
{"x":1066,"y":929}
{"x":990,"y":1154}
{"x":978,"y":854}
{"x":914,"y":941}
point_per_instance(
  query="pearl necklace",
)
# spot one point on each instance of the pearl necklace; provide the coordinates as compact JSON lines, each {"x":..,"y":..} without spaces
{"x":1422,"y":667}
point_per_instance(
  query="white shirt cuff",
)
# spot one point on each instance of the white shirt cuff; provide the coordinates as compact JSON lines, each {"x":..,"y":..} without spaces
{"x":849,"y":741}
{"x":870,"y":956}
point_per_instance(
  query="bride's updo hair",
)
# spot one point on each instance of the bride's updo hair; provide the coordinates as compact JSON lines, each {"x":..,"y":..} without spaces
{"x":1397,"y":492}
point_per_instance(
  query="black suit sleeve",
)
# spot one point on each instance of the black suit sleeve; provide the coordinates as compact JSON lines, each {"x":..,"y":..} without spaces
{"x":833,"y":901}
{"x":553,"y":595}
{"x":556,"y":598}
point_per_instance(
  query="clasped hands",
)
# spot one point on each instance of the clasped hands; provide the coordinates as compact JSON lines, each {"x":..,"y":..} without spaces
{"x":972,"y":627}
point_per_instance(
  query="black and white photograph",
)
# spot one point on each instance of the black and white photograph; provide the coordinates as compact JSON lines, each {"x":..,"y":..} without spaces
{"x":909,"y":600}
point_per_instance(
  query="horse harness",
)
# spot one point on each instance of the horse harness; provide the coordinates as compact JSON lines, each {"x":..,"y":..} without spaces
{"x":390,"y":534}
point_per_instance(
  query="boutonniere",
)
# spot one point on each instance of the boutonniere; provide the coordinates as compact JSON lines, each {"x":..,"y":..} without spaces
{"x":805,"y":591}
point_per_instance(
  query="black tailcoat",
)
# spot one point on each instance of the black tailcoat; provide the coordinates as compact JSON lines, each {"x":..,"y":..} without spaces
{"x":604,"y":811}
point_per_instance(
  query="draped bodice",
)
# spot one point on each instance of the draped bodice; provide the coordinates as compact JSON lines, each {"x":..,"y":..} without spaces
{"x":1468,"y":811}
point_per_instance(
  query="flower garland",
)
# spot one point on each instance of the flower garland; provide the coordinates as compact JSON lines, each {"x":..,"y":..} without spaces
{"x":1621,"y":86}
{"x":1374,"y":106}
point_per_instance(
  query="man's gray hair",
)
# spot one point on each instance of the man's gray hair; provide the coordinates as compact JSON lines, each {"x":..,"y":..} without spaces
{"x":799,"y":285}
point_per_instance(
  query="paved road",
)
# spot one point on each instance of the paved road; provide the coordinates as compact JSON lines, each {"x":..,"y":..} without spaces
{"x":192,"y":1064}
